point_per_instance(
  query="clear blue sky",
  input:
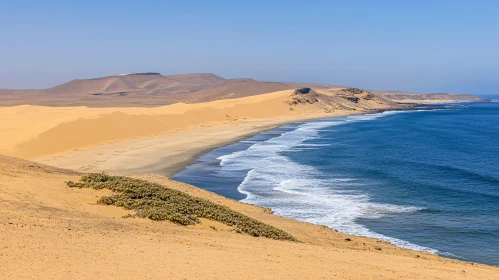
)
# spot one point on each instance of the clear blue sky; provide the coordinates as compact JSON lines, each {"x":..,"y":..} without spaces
{"x":422,"y":46}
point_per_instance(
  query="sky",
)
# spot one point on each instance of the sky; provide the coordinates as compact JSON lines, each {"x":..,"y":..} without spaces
{"x":419,"y":46}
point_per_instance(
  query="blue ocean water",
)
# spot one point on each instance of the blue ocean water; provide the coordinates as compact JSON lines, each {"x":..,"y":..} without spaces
{"x":425,"y":180}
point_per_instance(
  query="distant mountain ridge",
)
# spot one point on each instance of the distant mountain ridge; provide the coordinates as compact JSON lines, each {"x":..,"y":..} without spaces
{"x":404,"y":95}
{"x":154,"y":89}
{"x":143,"y":82}
{"x":146,"y":89}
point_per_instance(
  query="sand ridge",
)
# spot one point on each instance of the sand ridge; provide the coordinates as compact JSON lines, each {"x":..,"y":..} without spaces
{"x":21,"y":124}
{"x":35,"y":131}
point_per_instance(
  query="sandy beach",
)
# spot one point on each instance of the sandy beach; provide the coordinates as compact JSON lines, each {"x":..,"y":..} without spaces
{"x":154,"y":140}
{"x":164,"y":154}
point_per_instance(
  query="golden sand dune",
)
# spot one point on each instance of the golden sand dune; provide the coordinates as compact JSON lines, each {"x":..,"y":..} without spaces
{"x":50,"y":231}
{"x":33,"y":131}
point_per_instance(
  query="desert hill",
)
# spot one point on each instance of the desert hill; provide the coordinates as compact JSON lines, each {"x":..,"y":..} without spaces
{"x":144,"y":89}
{"x":153,"y":89}
{"x":147,"y":83}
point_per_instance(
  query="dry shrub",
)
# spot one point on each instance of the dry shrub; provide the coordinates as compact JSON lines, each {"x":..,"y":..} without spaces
{"x":157,"y":202}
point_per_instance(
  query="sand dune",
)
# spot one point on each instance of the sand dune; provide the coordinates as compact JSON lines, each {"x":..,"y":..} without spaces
{"x":58,"y":129}
{"x":51,"y":231}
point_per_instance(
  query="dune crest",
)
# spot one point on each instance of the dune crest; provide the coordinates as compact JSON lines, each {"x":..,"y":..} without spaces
{"x":64,"y":129}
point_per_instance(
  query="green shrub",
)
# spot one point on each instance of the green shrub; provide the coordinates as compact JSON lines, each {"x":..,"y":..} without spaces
{"x":157,"y":202}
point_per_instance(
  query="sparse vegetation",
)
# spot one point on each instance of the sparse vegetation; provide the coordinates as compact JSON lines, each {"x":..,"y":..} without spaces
{"x":268,"y":210}
{"x":369,"y":96}
{"x":157,"y":202}
{"x":353,"y":99}
{"x":354,"y":90}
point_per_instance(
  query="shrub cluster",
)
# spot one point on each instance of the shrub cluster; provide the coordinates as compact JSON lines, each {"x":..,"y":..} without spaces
{"x":353,"y":99}
{"x":157,"y":202}
{"x":354,"y":90}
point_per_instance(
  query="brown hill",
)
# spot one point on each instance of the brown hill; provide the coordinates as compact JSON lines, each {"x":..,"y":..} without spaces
{"x":154,"y":89}
{"x":137,"y":82}
{"x":144,"y":89}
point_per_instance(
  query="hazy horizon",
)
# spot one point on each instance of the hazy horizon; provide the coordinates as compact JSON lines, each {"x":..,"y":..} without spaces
{"x":428,"y":46}
{"x":489,"y":95}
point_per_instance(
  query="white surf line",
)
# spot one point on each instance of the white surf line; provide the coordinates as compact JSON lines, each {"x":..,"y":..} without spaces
{"x":293,"y":190}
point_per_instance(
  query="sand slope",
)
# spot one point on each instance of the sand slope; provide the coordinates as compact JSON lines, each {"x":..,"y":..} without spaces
{"x":51,"y":231}
{"x":33,"y":131}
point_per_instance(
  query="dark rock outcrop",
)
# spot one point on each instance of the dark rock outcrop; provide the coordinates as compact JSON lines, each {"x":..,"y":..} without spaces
{"x":304,"y":96}
{"x":353,"y":99}
{"x":303,"y":90}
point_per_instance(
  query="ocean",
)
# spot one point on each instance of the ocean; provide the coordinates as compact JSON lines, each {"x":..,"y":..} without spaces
{"x":424,"y":180}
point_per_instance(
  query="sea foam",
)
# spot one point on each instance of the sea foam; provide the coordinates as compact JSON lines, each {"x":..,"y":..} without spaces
{"x":302,"y":192}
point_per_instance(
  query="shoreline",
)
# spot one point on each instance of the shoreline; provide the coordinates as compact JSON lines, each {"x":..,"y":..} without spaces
{"x":199,"y":174}
{"x":191,"y":158}
{"x":168,"y":153}
{"x":169,"y":172}
{"x":172,"y":151}
{"x":416,"y":109}
{"x":170,"y":165}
